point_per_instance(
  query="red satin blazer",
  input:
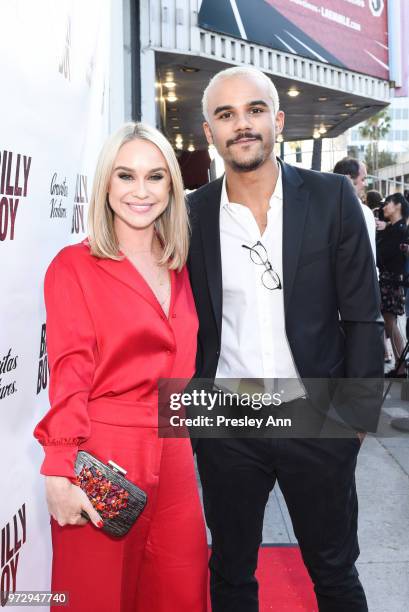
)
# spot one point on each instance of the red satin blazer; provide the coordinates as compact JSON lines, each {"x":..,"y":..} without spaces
{"x":108,"y":343}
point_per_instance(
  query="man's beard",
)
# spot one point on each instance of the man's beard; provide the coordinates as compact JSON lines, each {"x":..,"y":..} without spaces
{"x":249,"y":165}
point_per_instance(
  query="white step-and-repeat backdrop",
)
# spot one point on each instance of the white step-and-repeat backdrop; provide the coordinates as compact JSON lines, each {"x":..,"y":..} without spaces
{"x":54,"y":115}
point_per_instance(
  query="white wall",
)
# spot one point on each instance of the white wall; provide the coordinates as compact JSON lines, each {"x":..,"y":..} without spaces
{"x":61,"y":92}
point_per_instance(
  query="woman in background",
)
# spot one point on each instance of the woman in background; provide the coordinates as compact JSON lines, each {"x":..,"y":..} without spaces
{"x":392,"y":236}
{"x":120,"y":315}
{"x":373,"y":199}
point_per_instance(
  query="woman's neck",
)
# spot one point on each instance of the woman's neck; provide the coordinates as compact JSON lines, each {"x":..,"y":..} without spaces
{"x":395,"y":218}
{"x":133,"y":241}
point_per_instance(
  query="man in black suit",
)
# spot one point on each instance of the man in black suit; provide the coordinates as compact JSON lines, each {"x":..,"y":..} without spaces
{"x":285,"y":287}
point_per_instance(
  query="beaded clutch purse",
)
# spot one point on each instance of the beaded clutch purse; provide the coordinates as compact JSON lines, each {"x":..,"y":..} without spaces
{"x":118,"y":501}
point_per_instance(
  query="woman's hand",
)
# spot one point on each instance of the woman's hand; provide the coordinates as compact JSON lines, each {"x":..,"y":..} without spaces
{"x":380,"y":225}
{"x":66,"y":500}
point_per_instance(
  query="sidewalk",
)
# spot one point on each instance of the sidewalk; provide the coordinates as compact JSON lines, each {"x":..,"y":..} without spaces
{"x":383,"y":492}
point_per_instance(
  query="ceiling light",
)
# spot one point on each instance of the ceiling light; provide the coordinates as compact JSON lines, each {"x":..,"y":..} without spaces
{"x":293,"y":92}
{"x":170,"y":84}
{"x":344,"y":114}
{"x":174,"y":119}
{"x":176,"y":127}
{"x":348,"y":104}
{"x":322,"y":99}
{"x":280,"y":138}
{"x":189,"y":69}
{"x":191,"y":147}
{"x":316,"y":134}
{"x":171,"y":97}
{"x":322,"y":129}
{"x":179,"y":138}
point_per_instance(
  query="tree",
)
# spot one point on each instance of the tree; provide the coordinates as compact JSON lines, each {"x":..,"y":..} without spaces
{"x":385,"y":158}
{"x":374,"y":129}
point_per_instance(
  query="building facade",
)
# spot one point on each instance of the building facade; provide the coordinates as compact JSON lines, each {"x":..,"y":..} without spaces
{"x":323,"y":90}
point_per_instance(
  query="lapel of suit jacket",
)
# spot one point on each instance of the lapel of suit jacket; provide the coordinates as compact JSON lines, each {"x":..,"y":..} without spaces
{"x":210,"y":230}
{"x":295,"y":208}
{"x":127,"y":274}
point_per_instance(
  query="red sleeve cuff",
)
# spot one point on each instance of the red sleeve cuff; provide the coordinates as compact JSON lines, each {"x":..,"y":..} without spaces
{"x":59,"y":461}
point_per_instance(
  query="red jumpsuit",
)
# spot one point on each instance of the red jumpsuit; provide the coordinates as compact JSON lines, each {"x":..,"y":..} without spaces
{"x":108,"y":344}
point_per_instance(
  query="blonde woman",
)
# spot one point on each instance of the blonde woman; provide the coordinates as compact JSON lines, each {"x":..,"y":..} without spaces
{"x":120,"y":315}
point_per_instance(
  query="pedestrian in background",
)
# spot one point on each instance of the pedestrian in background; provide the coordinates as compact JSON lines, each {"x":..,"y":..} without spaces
{"x":392,"y":236}
{"x":355,"y":170}
{"x":373,"y":199}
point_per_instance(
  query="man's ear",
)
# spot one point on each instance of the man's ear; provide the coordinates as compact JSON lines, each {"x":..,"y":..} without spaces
{"x":279,"y":122}
{"x":208,"y":133}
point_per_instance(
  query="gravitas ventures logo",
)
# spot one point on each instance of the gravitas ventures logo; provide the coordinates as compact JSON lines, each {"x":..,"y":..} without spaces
{"x":14,"y":175}
{"x":8,"y":363}
{"x":58,"y":192}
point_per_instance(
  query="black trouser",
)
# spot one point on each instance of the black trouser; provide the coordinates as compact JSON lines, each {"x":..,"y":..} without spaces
{"x":317,"y":479}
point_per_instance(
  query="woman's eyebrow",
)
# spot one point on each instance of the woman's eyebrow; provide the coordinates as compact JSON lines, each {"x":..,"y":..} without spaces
{"x":132,"y":169}
{"x":124,"y":168}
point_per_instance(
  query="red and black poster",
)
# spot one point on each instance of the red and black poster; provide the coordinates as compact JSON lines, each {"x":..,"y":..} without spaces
{"x":352,"y":34}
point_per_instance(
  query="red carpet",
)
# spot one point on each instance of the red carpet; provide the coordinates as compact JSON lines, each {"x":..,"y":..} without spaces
{"x":284,"y":583}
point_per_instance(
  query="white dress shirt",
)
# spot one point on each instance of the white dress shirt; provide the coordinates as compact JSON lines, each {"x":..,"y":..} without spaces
{"x":371,"y":226}
{"x":253,"y":341}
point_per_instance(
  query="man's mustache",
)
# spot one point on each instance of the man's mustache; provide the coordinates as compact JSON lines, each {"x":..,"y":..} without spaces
{"x":241,"y":136}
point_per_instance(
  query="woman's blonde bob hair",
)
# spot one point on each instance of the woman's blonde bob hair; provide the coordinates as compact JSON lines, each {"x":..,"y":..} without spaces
{"x":172,"y":226}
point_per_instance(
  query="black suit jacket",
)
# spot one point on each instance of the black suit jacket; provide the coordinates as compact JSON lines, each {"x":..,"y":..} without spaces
{"x":331,"y":293}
